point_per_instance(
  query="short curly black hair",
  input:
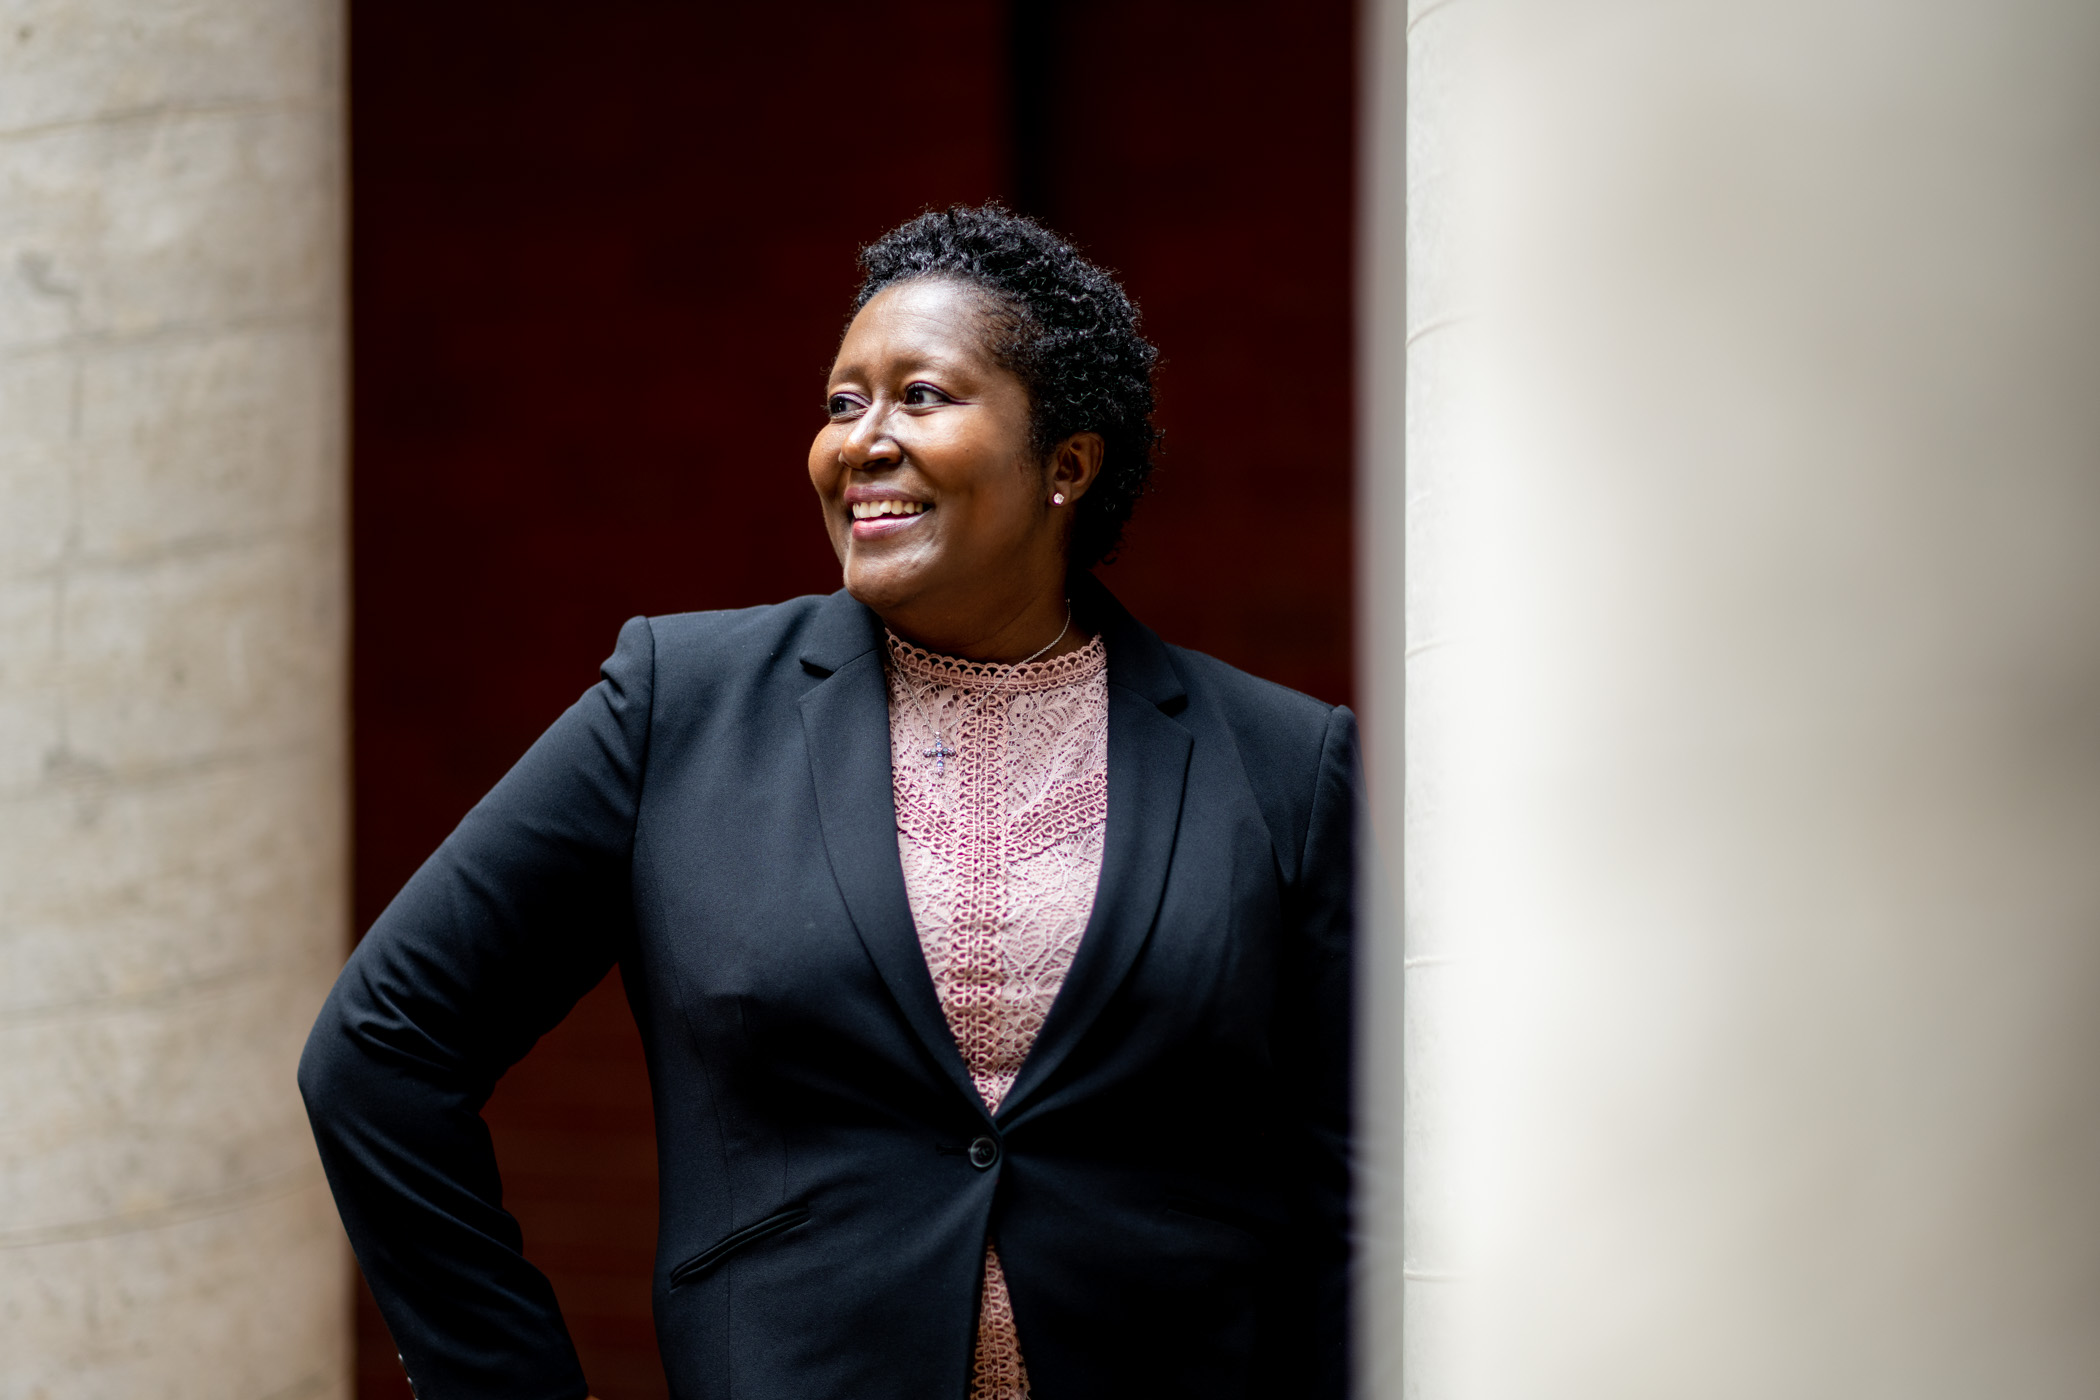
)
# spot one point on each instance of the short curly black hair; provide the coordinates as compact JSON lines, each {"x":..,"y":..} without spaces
{"x":1060,"y":324}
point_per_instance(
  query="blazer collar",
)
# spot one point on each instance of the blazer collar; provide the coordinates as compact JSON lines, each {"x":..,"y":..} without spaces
{"x":1137,"y":658}
{"x":843,"y":629}
{"x":840,"y":630}
{"x":846,"y":724}
{"x":846,"y":727}
{"x":1148,"y":763}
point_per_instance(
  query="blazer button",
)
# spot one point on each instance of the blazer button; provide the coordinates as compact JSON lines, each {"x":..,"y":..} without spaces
{"x":983,"y":1152}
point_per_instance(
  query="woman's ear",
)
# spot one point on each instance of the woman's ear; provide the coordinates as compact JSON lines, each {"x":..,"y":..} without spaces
{"x":1074,"y":466}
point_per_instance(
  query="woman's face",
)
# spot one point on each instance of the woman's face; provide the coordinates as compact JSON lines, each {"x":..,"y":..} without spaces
{"x":938,"y":508}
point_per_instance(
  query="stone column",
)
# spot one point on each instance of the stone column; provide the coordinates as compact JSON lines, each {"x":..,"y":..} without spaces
{"x":1752,"y":697}
{"x":172,"y":694}
{"x":1381,"y":350}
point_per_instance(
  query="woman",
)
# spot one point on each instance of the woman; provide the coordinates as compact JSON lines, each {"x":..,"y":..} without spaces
{"x":991,"y":956}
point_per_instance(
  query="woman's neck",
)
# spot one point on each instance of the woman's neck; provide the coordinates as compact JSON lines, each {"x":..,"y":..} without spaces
{"x":1039,"y":631}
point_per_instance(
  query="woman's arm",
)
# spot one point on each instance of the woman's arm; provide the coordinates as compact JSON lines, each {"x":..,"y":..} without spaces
{"x":521,"y":911}
{"x":1314,"y":1051}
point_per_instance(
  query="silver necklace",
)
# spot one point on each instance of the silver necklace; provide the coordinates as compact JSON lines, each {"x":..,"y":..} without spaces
{"x":940,"y":753}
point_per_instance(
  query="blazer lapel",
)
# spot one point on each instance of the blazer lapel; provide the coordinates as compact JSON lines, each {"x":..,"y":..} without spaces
{"x":1148,"y":763}
{"x":845,"y":722}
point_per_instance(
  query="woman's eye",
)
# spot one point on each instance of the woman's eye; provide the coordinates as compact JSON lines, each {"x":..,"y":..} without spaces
{"x":841,"y":406}
{"x":920,"y":395}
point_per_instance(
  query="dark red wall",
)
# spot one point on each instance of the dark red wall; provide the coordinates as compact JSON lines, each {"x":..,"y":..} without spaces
{"x":1205,"y":151}
{"x":600,"y":259}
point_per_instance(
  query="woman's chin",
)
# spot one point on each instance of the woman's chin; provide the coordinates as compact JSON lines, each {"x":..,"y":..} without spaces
{"x":885,"y":585}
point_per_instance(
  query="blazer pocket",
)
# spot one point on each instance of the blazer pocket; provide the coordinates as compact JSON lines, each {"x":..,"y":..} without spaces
{"x":729,"y":1244}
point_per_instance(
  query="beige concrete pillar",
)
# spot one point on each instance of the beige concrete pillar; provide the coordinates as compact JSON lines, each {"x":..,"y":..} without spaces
{"x":1381,"y":347}
{"x":1752,"y":696}
{"x":172,"y":694}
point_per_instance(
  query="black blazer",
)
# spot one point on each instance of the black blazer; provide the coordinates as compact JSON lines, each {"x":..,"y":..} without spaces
{"x":1167,"y":1181}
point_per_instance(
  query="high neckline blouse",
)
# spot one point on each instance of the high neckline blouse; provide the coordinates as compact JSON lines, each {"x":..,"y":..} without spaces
{"x":1000,"y":775}
{"x":938,"y":668}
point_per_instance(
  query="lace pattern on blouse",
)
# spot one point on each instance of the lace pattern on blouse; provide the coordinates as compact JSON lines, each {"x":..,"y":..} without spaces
{"x":1000,"y":775}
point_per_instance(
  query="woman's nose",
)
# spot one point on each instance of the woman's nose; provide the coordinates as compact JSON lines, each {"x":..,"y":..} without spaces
{"x":870,"y":443}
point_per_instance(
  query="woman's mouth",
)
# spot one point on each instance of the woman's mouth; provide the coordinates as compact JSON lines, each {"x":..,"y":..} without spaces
{"x":874,"y":518}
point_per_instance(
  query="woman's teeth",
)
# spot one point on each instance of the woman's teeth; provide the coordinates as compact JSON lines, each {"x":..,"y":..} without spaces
{"x":869,"y":510}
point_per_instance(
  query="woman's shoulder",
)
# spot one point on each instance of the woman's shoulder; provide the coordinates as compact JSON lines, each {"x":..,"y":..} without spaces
{"x":819,"y":629}
{"x":1247,"y":696}
{"x":1176,"y":676}
{"x":720,"y":634}
{"x":1291,"y":746}
{"x":1282,"y":735}
{"x":685,"y":656}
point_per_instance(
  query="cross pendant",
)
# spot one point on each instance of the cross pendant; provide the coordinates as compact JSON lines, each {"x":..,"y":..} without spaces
{"x":940,"y":753}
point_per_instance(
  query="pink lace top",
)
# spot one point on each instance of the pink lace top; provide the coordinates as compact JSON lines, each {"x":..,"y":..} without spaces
{"x":1001,"y":782}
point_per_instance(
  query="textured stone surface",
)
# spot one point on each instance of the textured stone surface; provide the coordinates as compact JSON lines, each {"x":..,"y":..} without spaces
{"x":172,"y":694}
{"x":1752,"y":697}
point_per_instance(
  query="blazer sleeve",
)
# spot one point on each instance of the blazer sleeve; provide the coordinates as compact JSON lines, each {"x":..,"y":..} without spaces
{"x":520,"y":912}
{"x":1315,"y":1054}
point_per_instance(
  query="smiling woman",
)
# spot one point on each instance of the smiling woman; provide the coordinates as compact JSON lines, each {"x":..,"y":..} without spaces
{"x":989,"y":430}
{"x":945,"y":520}
{"x":992,"y":956}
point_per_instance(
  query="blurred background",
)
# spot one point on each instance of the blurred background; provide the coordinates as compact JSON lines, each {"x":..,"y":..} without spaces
{"x":1672,"y":425}
{"x":600,"y":259}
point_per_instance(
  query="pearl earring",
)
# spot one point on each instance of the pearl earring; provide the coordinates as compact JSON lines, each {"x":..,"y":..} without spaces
{"x":1058,"y":499}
